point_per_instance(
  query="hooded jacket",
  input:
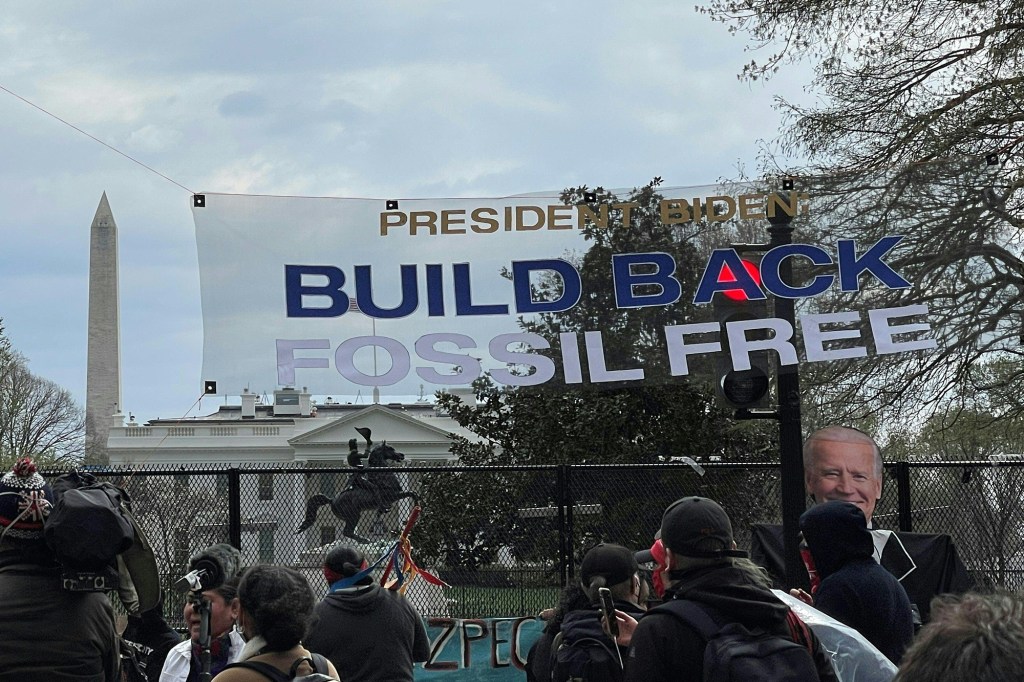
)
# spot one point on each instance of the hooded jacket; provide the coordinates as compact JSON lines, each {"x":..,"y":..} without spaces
{"x":666,"y":648}
{"x":854,"y":589}
{"x":586,"y":623}
{"x":369,"y":633}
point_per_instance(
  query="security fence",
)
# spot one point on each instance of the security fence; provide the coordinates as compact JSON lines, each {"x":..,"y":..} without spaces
{"x":506,"y":539}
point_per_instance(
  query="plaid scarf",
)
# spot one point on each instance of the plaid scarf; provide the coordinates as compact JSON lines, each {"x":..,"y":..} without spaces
{"x":220,"y":649}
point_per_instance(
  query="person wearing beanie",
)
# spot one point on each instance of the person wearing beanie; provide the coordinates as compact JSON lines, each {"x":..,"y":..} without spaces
{"x":854,"y":589}
{"x":709,"y":582}
{"x":47,"y":633}
{"x":366,"y":631}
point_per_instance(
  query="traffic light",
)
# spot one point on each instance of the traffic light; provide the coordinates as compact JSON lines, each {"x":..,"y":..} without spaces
{"x":742,"y":388}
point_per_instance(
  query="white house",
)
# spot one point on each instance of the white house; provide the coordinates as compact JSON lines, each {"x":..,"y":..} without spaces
{"x":272,"y":442}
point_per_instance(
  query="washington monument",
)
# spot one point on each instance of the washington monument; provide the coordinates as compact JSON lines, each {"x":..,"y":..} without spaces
{"x":103,"y":371}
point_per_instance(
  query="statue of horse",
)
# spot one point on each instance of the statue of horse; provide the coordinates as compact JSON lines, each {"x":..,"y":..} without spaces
{"x":369,"y":488}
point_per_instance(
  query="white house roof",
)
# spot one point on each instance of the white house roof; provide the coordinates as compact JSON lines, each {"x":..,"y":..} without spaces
{"x":385,"y":423}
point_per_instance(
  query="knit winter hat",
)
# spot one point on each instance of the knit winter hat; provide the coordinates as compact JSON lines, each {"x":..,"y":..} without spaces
{"x":25,"y":501}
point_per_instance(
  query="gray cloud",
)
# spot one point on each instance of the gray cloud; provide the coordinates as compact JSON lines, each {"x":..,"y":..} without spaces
{"x":242,"y":103}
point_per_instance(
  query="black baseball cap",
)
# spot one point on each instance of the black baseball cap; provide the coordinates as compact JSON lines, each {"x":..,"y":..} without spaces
{"x":614,"y":563}
{"x":698,"y":527}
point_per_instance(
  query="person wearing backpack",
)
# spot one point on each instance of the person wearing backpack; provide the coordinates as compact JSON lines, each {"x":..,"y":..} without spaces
{"x":46,"y":632}
{"x":719,"y":620}
{"x":538,"y":658}
{"x":275,"y":607}
{"x":583,"y":650}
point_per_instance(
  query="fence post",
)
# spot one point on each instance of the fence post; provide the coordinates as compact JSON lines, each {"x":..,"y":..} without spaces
{"x":564,"y":503}
{"x":235,"y":507}
{"x":903,"y":505}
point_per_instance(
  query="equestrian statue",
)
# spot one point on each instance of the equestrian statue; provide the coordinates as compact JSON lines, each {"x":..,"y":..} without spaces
{"x":370,"y":487}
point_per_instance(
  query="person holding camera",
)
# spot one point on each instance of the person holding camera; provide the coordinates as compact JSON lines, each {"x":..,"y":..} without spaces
{"x":184,"y":662}
{"x":275,"y":608}
{"x":47,"y":632}
{"x":720,"y":619}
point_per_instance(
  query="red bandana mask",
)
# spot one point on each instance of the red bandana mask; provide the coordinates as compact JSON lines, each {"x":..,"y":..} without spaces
{"x":658,"y":554}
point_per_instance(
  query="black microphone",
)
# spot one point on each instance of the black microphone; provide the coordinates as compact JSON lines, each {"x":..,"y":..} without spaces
{"x":210,"y":568}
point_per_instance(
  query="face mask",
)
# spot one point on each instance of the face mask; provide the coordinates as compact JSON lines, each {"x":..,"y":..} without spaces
{"x":658,"y":554}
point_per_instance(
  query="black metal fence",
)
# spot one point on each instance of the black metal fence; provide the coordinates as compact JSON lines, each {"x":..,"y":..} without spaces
{"x":506,"y":539}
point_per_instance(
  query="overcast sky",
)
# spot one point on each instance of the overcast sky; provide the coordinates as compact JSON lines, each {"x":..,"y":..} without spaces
{"x":425,"y":98}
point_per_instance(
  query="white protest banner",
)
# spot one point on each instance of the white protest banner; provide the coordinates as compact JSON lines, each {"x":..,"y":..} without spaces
{"x":340,"y":295}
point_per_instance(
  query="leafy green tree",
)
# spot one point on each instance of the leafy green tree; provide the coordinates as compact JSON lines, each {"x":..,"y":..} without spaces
{"x":666,"y":418}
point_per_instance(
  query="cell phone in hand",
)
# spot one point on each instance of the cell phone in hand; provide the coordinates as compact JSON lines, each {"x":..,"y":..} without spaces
{"x":608,"y":610}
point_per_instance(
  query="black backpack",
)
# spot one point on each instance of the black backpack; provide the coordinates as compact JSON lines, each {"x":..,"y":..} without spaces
{"x":587,"y":659}
{"x":88,"y":526}
{"x":98,"y":543}
{"x":735,"y":653}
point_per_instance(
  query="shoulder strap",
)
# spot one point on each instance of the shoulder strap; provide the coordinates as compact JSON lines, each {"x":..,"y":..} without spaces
{"x":553,"y":652}
{"x":798,"y":631}
{"x":264,"y":669}
{"x":316,"y":661}
{"x":297,"y":663}
{"x":692,"y":613}
{"x":320,"y":664}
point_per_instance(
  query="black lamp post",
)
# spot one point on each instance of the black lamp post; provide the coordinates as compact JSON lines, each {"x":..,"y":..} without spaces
{"x":790,"y":436}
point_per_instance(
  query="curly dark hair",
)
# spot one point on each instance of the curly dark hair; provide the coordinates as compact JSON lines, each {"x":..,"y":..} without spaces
{"x":572,"y":598}
{"x":280,"y":602}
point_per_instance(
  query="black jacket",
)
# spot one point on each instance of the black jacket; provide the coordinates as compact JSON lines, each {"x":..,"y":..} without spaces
{"x":48,"y":633}
{"x":664,"y":648}
{"x":926,"y":564}
{"x":854,"y":589}
{"x":576,"y":624}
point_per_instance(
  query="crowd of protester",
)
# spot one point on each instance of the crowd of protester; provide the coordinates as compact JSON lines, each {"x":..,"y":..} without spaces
{"x":250,"y":624}
{"x":714,"y":614}
{"x":703,"y":611}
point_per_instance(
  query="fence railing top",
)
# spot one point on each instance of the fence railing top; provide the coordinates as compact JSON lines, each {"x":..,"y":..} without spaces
{"x":306,"y":468}
{"x":291,"y":468}
{"x":952,"y":464}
